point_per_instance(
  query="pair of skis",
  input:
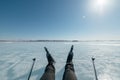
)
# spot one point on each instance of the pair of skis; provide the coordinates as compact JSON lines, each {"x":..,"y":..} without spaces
{"x":49,"y":57}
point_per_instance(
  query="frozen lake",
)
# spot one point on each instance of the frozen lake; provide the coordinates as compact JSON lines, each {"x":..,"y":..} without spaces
{"x":16,"y":59}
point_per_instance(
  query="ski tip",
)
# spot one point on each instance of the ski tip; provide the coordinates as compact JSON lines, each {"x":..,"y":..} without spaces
{"x":49,"y":57}
{"x":70,"y":55}
{"x":71,"y":48}
{"x":46,"y":49}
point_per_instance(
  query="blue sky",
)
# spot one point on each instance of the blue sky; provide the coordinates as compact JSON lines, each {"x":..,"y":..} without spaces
{"x":60,"y":19}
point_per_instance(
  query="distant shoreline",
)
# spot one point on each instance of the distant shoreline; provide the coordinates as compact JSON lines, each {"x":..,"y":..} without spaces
{"x":55,"y":40}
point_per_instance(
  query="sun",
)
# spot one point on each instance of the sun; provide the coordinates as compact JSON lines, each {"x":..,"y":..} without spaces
{"x":101,"y":3}
{"x":99,"y":6}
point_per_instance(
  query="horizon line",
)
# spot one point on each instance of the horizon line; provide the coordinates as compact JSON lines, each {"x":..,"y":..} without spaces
{"x":50,"y":40}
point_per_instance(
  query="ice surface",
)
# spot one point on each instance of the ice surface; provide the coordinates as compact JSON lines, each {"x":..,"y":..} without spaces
{"x":16,"y":59}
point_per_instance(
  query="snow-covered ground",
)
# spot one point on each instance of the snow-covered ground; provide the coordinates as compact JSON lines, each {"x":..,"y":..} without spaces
{"x":16,"y":59}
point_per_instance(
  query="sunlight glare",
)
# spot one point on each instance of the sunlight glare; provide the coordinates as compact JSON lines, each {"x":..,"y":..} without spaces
{"x":101,"y":2}
{"x":99,"y":6}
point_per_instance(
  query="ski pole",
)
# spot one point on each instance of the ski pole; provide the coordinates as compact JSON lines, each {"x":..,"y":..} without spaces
{"x":94,"y":68}
{"x":31,"y":68}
